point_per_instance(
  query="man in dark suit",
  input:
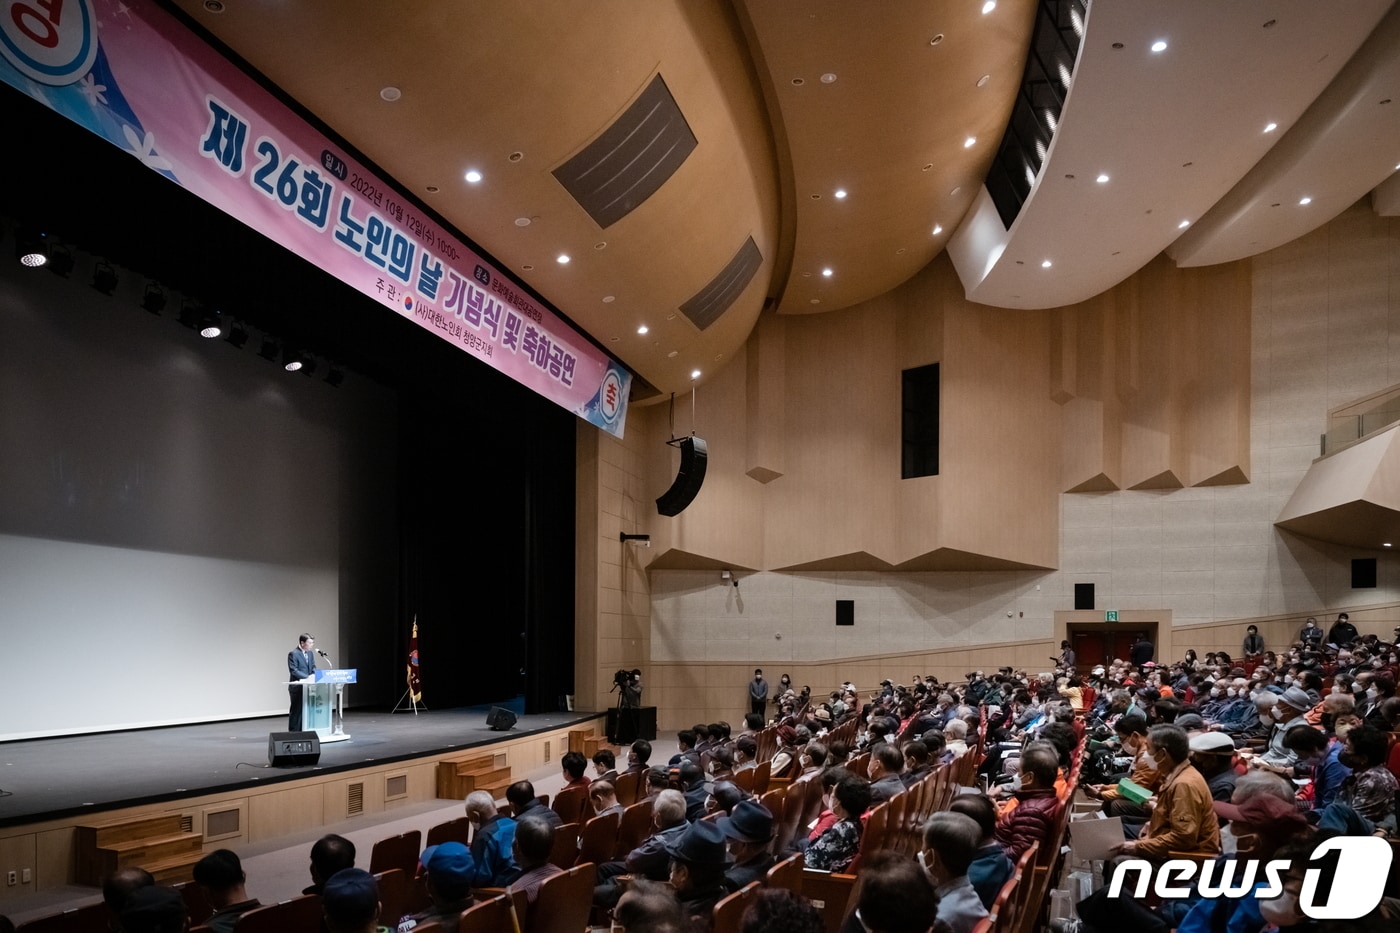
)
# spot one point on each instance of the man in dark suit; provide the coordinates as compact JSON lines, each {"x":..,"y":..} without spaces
{"x":301,"y":664}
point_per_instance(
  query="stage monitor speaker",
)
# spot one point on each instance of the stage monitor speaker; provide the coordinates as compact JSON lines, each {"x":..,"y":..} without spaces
{"x":688,"y":478}
{"x":1084,"y":596}
{"x":293,"y":749}
{"x":500,"y":719}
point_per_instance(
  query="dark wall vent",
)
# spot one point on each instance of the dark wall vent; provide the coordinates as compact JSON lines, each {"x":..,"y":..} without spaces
{"x":715,"y":298}
{"x":633,"y":158}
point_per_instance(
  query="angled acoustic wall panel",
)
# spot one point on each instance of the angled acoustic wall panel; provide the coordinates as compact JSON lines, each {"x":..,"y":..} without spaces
{"x":631,"y":159}
{"x":716,"y":297}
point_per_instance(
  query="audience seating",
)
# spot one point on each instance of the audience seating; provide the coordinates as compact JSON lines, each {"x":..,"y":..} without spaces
{"x":565,"y":850}
{"x":399,"y":852}
{"x":299,"y":913}
{"x":598,"y":839}
{"x":786,"y":874}
{"x":571,"y":804}
{"x":564,"y":902}
{"x":91,"y":918}
{"x":458,"y":830}
{"x":627,"y":786}
{"x":196,"y":903}
{"x":494,"y":915}
{"x":729,"y":910}
{"x":635,"y":826}
{"x":393,"y":896}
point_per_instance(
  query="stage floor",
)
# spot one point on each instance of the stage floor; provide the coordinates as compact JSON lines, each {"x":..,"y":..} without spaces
{"x":57,"y":777}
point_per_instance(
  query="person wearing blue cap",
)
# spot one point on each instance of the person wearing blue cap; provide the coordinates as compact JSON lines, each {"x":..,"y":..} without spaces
{"x":350,"y":902}
{"x":449,"y":868}
{"x":749,"y":830}
{"x":698,"y":860}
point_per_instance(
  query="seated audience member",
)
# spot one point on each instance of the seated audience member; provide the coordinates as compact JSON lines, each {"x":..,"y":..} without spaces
{"x":574,"y":768}
{"x":526,"y":806}
{"x":1029,"y":816}
{"x":813,"y":760}
{"x":749,"y":831}
{"x":220,"y":874}
{"x":692,"y":781}
{"x":785,"y":758}
{"x":698,"y":858}
{"x":657,"y":780}
{"x":649,"y":906}
{"x":955,"y":737}
{"x":1370,"y":788}
{"x":722,"y":764}
{"x":1213,"y":754}
{"x":603,"y":796}
{"x":648,"y":860}
{"x":896,"y":896}
{"x":448,"y":868}
{"x":1320,"y":759}
{"x":493,"y":842}
{"x":329,"y":854}
{"x":917,"y":764}
{"x":990,"y":865}
{"x":604,"y":765}
{"x":1132,"y":736}
{"x":638,"y":756}
{"x":886,"y":763}
{"x":685,"y":740}
{"x":1287,"y":715}
{"x":534,"y":840}
{"x":155,"y":909}
{"x":753,"y":724}
{"x":350,"y":900}
{"x":778,"y":910}
{"x":1183,"y":820}
{"x":951,"y":841}
{"x":703,"y":741}
{"x":120,"y":885}
{"x":723,"y":795}
{"x":836,"y":848}
{"x":745,"y":753}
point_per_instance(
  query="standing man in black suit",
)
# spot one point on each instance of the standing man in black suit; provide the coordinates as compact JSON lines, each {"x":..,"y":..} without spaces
{"x":301,"y":664}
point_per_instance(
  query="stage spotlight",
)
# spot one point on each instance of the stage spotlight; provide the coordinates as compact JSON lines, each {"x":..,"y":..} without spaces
{"x":60,"y":260}
{"x":153,"y":300}
{"x":210,"y":326}
{"x":237,"y":335}
{"x":270,"y":349}
{"x":293,"y":360}
{"x":104,"y":277}
{"x":31,"y":249}
{"x":334,"y":377}
{"x":190,"y":315}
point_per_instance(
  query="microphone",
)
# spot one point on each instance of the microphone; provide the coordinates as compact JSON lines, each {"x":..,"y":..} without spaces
{"x":322,"y":653}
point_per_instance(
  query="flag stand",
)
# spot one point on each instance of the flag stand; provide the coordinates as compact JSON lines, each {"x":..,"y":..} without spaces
{"x":414,"y":693}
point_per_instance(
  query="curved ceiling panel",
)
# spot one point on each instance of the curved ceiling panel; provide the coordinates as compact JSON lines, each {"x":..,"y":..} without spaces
{"x":1171,"y":131}
{"x":514,"y":91}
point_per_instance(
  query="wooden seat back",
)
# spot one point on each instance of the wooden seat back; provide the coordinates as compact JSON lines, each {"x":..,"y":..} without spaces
{"x":635,"y":826}
{"x":728,"y":910}
{"x":399,"y":852}
{"x":787,"y":873}
{"x":570,"y":804}
{"x":598,"y":839}
{"x":494,"y":915}
{"x":564,"y":902}
{"x":565,"y":849}
{"x":90,"y":918}
{"x":298,"y":915}
{"x":627,"y":785}
{"x":458,"y":830}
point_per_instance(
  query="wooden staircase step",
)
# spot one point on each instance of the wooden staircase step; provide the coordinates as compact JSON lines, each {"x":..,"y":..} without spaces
{"x":174,"y":870}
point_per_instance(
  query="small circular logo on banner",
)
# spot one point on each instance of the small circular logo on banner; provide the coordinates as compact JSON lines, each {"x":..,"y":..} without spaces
{"x":408,"y":302}
{"x":610,"y":397}
{"x":52,"y":41}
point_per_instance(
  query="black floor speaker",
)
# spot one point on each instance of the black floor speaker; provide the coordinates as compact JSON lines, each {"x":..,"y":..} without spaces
{"x":500,"y":719}
{"x":293,"y":749}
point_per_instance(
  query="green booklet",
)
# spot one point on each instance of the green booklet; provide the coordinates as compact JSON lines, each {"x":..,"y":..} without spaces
{"x":1131,"y":790}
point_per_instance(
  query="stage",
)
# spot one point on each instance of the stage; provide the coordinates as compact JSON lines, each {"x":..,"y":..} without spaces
{"x":58,"y":777}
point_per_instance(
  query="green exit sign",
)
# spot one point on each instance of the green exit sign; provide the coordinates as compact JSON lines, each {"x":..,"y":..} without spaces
{"x":1110,"y":615}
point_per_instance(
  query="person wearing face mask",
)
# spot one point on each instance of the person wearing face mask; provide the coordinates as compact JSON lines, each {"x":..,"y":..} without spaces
{"x":1311,"y":634}
{"x":1380,"y":689}
{"x":950,"y":843}
{"x":1322,"y":761}
{"x":1132,"y":736}
{"x":1213,"y":754}
{"x":1272,"y":819}
{"x":1342,"y":633}
{"x":1030,"y":814}
{"x":1183,"y":815}
{"x":1287,"y":715}
{"x":1253,"y":642}
{"x":1370,"y":789}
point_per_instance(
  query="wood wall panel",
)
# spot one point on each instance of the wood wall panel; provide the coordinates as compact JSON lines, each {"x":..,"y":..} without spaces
{"x":766,"y":399}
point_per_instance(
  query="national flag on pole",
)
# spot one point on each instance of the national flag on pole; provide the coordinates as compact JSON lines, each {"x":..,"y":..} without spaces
{"x":415,"y":683}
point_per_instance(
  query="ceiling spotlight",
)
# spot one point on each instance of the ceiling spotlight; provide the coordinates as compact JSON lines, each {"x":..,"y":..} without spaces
{"x":153,"y":300}
{"x":1045,"y":264}
{"x":210,"y":326}
{"x":390,"y":94}
{"x":237,"y":335}
{"x":334,"y":377}
{"x":31,"y":249}
{"x":1385,"y":544}
{"x":989,"y":6}
{"x":969,"y":142}
{"x":1270,"y":127}
{"x":695,"y":374}
{"x":1102,"y":179}
{"x":1160,"y":45}
{"x":937,"y":229}
{"x":1305,"y":200}
{"x":829,"y":78}
{"x":563,"y":259}
{"x":104,"y":277}
{"x":840,"y":193}
{"x":1183,"y":225}
{"x":473,"y":176}
{"x":270,"y":349}
{"x":292,"y":360}
{"x":826,"y":273}
{"x":643,"y":329}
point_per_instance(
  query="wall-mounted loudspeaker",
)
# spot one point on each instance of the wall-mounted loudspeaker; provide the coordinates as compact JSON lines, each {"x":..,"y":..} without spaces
{"x":293,"y":749}
{"x":500,"y":719}
{"x":688,"y":479}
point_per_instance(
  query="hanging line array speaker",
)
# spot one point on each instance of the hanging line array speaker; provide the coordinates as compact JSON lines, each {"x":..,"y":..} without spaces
{"x":688,"y":479}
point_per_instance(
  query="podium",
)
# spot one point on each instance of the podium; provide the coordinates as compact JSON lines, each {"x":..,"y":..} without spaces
{"x":323,"y":703}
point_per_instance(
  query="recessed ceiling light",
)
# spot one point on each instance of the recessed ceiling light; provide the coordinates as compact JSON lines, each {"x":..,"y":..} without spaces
{"x":563,"y":259}
{"x":798,"y":82}
{"x":608,"y":299}
{"x":643,"y":329}
{"x":1305,"y":200}
{"x":390,"y":93}
{"x":954,"y":192}
{"x":1160,"y":45}
{"x":936,"y":39}
{"x":989,"y":6}
{"x":522,"y":221}
{"x":515,"y":156}
{"x":969,"y":142}
{"x":937,"y":229}
{"x":431,"y":189}
{"x":695,"y":374}
{"x":826,"y":273}
{"x":829,"y":78}
{"x":816,"y":301}
{"x":982,"y":81}
{"x":601,"y":244}
{"x":1270,"y":127}
{"x":1183,"y":225}
{"x":901,"y":251}
{"x":214,"y":6}
{"x":473,"y":176}
{"x":1102,"y":179}
{"x":1385,"y":544}
{"x":528,"y":267}
{"x":929,"y":165}
{"x":673,"y":354}
{"x":1045,"y":264}
{"x":840,"y":193}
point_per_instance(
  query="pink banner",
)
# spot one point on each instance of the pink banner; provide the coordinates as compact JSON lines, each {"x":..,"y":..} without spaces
{"x":135,"y":76}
